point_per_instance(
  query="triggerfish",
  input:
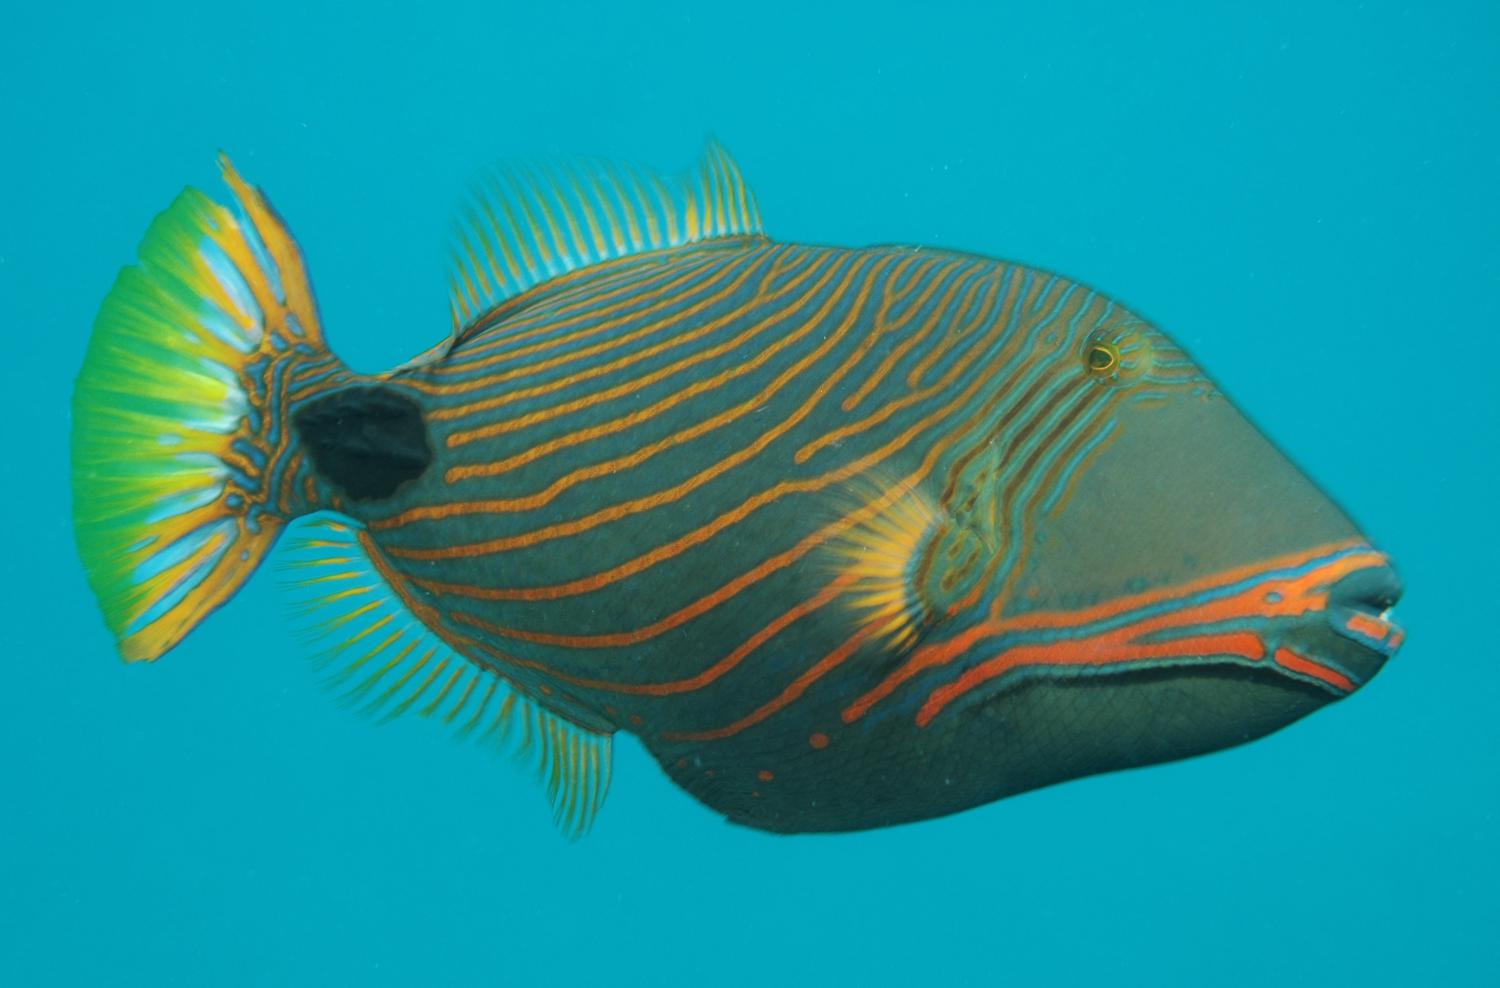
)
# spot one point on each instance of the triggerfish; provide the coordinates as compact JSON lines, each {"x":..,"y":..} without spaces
{"x":846,"y":537}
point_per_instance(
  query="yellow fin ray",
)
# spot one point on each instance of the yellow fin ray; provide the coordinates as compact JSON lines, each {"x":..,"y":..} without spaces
{"x":386,"y":662}
{"x":879,"y":554}
{"x":526,"y":225}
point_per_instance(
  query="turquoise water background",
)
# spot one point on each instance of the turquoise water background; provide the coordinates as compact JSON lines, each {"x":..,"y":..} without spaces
{"x":1304,"y":195}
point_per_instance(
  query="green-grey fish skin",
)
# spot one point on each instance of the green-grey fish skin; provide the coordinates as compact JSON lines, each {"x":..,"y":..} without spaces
{"x":852,"y":537}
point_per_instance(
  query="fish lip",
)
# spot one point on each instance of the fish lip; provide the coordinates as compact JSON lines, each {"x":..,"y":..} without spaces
{"x":1359,"y":608}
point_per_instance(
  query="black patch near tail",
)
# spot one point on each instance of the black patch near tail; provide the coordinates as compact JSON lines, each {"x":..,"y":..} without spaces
{"x":365,"y":441}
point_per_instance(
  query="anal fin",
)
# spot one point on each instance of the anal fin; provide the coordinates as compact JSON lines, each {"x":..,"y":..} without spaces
{"x":386,"y":661}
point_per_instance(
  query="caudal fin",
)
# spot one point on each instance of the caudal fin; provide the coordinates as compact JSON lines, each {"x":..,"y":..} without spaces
{"x":183,"y":466}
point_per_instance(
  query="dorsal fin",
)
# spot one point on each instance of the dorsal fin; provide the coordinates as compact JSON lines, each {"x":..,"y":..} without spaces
{"x":524,"y":225}
{"x":385,"y":660}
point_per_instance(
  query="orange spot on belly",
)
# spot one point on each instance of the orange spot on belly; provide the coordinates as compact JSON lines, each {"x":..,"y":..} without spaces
{"x":818,"y":740}
{"x":765,"y":775}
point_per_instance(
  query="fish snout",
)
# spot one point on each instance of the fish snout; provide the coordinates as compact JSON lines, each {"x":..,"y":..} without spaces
{"x":1372,"y":591}
{"x":1359,"y":611}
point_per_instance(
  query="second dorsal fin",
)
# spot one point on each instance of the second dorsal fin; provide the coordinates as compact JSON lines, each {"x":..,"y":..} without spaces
{"x":524,"y":225}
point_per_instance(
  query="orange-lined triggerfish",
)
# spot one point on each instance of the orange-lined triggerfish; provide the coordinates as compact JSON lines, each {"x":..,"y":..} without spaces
{"x":846,"y":537}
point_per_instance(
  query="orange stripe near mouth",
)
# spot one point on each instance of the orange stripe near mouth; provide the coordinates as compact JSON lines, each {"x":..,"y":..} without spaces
{"x":1307,"y":667}
{"x":1368,"y":625}
{"x":1110,"y":649}
{"x":1297,"y":596}
{"x":1274,"y":596}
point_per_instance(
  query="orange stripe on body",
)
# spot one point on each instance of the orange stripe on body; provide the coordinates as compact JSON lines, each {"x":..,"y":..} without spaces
{"x":652,"y":411}
{"x":574,"y":299}
{"x":678,"y":491}
{"x":889,"y":295}
{"x":957,"y":370}
{"x":1023,"y":321}
{"x":614,"y":391}
{"x":670,"y":687}
{"x":531,"y":368}
{"x":783,"y":699}
{"x":915,"y":337}
{"x":1006,"y":510}
{"x":747,"y":507}
{"x":679,"y":617}
{"x":630,"y":358}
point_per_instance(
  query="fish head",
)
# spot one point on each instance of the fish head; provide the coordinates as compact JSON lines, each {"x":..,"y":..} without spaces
{"x":1173,"y":578}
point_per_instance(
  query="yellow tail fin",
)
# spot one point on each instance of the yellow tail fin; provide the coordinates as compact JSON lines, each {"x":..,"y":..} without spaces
{"x":182,"y":469}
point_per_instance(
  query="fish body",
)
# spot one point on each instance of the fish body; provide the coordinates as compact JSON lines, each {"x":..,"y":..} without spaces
{"x":848,"y":537}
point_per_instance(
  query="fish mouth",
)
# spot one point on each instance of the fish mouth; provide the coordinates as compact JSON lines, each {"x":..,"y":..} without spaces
{"x":1359,"y":609}
{"x":1344,"y":646}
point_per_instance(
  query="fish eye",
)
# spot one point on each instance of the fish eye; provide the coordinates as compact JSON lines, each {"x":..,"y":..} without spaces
{"x":1101,"y":357}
